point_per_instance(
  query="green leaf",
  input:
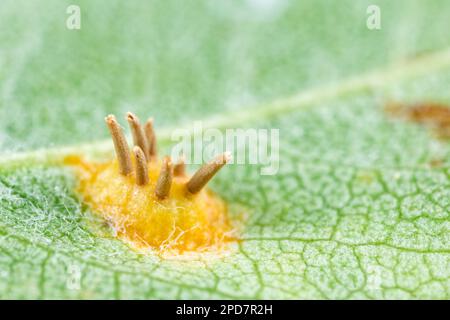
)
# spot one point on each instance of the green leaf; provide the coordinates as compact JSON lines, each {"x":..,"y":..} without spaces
{"x":355,"y":211}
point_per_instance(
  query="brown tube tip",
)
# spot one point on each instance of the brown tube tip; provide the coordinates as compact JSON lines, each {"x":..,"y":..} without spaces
{"x":110,"y":118}
{"x":131,"y":116}
{"x":141,"y":167}
{"x":164,"y":182}
{"x":179,"y":170}
{"x":151,"y":138}
{"x":137,"y":131}
{"x":206,"y":172}
{"x":120,"y":145}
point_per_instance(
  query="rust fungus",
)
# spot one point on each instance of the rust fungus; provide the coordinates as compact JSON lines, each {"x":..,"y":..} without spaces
{"x":151,"y":203}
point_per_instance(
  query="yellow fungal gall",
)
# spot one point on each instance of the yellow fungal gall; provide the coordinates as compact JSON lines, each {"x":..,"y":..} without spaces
{"x":149,"y":213}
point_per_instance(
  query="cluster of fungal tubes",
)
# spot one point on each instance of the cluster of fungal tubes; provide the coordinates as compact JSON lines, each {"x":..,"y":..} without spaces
{"x":151,"y":202}
{"x":145,"y":150}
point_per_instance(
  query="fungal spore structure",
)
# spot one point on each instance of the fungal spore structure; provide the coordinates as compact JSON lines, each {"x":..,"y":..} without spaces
{"x":151,"y":202}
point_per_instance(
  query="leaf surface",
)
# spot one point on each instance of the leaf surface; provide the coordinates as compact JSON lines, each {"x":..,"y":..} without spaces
{"x":357,"y":210}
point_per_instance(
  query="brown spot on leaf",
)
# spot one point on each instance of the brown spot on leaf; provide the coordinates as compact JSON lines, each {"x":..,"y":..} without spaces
{"x":436,"y":163}
{"x":431,"y":114}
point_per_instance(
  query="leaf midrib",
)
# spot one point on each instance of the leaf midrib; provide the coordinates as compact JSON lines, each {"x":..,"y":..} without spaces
{"x":379,"y":78}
